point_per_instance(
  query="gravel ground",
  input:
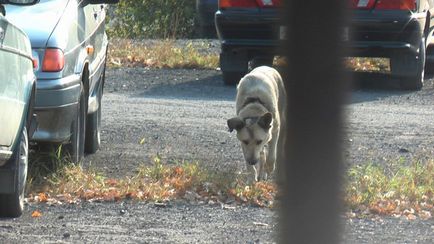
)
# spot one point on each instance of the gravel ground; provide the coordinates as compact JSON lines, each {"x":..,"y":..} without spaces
{"x":181,"y":114}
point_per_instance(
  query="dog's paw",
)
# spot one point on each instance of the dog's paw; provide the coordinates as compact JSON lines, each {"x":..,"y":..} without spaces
{"x":263,"y":177}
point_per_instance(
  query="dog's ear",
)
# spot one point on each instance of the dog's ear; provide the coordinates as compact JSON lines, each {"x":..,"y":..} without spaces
{"x":235,"y":123}
{"x":265,"y":121}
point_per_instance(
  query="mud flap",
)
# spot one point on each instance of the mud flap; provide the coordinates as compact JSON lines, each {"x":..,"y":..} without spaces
{"x":234,"y":62}
{"x":404,"y":64}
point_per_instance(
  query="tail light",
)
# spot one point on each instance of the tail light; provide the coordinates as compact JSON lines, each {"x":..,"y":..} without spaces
{"x":54,"y":60}
{"x":35,"y":63}
{"x":396,"y":4}
{"x":238,"y":4}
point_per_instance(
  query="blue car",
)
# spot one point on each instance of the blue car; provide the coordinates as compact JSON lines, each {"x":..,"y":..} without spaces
{"x":69,"y":41}
{"x":17,"y":122}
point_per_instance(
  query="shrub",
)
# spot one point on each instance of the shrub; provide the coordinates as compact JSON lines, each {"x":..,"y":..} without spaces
{"x":152,"y":19}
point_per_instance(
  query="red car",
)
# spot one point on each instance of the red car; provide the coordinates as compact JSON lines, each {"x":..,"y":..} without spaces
{"x":400,"y":30}
{"x":250,"y":32}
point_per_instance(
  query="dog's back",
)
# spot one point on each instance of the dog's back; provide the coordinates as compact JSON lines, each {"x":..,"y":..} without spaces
{"x":264,"y":83}
{"x":260,"y":108}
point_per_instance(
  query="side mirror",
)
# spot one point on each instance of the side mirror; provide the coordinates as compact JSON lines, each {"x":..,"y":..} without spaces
{"x":19,"y":2}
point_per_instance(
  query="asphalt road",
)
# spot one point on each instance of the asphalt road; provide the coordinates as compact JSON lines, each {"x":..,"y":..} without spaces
{"x":181,"y":115}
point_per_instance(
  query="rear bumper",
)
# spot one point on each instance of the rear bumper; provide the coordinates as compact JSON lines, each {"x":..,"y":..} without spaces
{"x":56,"y":107}
{"x":7,"y":175}
{"x":383,"y":33}
{"x":5,"y":155}
{"x":248,"y":30}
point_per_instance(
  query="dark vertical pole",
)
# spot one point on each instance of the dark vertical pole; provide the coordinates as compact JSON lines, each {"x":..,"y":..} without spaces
{"x":315,"y":84}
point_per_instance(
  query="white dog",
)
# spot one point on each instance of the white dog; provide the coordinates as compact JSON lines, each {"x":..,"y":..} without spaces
{"x":260,"y":106}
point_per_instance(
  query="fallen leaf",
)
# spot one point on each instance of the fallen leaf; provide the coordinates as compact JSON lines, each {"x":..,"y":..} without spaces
{"x":131,"y":195}
{"x":225,"y":206}
{"x":178,"y":171}
{"x":36,"y":214}
{"x":408,"y":211}
{"x":424,"y":215}
{"x":160,"y":204}
{"x":42,"y":197}
{"x":260,"y":224}
{"x":142,"y":141}
{"x":111,"y":182}
{"x":232,"y":192}
{"x":411,"y":217}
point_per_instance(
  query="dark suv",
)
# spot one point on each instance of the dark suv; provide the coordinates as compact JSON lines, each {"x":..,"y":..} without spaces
{"x":249,"y":30}
{"x":398,"y":30}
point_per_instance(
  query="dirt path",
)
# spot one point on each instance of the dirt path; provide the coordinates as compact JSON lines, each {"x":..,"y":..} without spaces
{"x":181,"y":114}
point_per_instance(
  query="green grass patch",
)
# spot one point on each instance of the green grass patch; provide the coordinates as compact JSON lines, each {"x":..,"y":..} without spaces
{"x":369,"y":65}
{"x":159,"y":182}
{"x":160,"y":54}
{"x":398,"y":189}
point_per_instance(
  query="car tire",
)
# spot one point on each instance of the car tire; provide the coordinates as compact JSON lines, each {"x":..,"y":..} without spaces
{"x":415,"y":82}
{"x":93,"y":127}
{"x":429,"y":60}
{"x":231,"y":78}
{"x":12,"y":205}
{"x":78,"y":129}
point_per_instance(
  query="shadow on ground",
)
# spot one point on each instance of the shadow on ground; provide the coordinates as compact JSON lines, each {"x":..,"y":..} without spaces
{"x":204,"y":88}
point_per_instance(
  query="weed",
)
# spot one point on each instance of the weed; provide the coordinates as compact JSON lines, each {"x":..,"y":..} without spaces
{"x":398,"y":189}
{"x":402,"y":187}
{"x":157,"y":182}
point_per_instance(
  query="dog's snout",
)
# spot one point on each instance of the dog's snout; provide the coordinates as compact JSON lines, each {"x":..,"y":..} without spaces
{"x":252,"y":162}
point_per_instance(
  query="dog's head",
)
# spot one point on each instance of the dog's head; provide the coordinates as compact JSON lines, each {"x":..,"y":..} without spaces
{"x":254,"y":133}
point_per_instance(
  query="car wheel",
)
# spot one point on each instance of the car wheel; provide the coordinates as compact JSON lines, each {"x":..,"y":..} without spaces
{"x":12,"y":205}
{"x":416,"y":82}
{"x":78,"y":127}
{"x":93,"y":127}
{"x":231,"y":78}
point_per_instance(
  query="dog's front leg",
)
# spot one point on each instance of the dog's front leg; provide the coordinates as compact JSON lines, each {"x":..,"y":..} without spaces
{"x":262,"y":173}
{"x":253,"y":174}
{"x":272,"y":154}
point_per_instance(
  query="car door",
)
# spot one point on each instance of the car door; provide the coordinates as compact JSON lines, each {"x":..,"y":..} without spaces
{"x":96,"y":41}
{"x":15,"y":80}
